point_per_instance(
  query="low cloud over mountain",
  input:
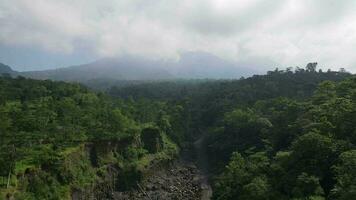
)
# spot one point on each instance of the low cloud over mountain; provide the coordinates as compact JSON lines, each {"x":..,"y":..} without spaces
{"x":191,"y":65}
{"x":48,"y":33}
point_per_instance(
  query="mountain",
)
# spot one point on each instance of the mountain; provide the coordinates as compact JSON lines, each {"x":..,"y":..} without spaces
{"x":5,"y":69}
{"x":128,"y":68}
{"x":113,"y":71}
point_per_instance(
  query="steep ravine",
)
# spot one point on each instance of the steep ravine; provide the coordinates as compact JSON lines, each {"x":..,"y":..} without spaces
{"x":202,"y":163}
{"x":187,"y":178}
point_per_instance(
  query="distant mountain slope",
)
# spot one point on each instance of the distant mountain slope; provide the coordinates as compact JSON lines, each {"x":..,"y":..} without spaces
{"x":114,"y":69}
{"x":109,"y":72}
{"x":5,"y":69}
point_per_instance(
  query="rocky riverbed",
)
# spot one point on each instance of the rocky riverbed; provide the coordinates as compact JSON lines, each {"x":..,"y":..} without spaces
{"x":185,"y":179}
{"x":179,"y":181}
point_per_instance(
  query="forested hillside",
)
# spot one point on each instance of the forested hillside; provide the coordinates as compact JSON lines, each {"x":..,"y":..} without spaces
{"x":284,"y":135}
{"x":282,"y":148}
{"x":61,"y":141}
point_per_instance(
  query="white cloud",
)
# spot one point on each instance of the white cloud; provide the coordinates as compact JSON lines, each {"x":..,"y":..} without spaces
{"x":281,"y":32}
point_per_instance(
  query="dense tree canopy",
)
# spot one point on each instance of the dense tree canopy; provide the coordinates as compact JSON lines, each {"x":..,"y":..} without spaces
{"x":45,"y":124}
{"x":284,"y":135}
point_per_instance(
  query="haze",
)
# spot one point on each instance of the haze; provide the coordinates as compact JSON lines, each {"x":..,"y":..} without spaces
{"x":44,"y":34}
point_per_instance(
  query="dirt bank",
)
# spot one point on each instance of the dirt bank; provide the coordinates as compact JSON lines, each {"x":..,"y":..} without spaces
{"x":185,"y":179}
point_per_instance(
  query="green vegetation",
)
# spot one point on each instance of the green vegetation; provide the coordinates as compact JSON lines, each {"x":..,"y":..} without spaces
{"x":284,"y":135}
{"x":58,"y":138}
{"x":288,"y":149}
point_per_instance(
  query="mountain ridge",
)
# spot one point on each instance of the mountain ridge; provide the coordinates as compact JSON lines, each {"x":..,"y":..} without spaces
{"x":5,"y":69}
{"x":191,"y":65}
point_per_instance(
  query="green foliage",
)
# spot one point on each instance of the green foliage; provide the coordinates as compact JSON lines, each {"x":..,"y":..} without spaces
{"x":44,"y":186}
{"x":56,"y":136}
{"x":307,"y":186}
{"x":242,"y":130}
{"x":244,"y":179}
{"x":345,"y":187}
{"x":284,"y":135}
{"x":317,"y":142}
{"x":230,"y":183}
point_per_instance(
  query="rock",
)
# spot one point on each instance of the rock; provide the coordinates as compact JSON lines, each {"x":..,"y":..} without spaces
{"x":178,"y":181}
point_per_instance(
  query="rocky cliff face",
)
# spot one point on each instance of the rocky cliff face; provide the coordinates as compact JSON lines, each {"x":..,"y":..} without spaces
{"x":93,"y":171}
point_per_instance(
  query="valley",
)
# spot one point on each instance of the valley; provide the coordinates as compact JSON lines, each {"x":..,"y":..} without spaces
{"x":250,"y":138}
{"x":177,"y":100}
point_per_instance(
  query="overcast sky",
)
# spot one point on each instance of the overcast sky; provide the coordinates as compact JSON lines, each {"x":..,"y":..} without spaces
{"x":39,"y":34}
